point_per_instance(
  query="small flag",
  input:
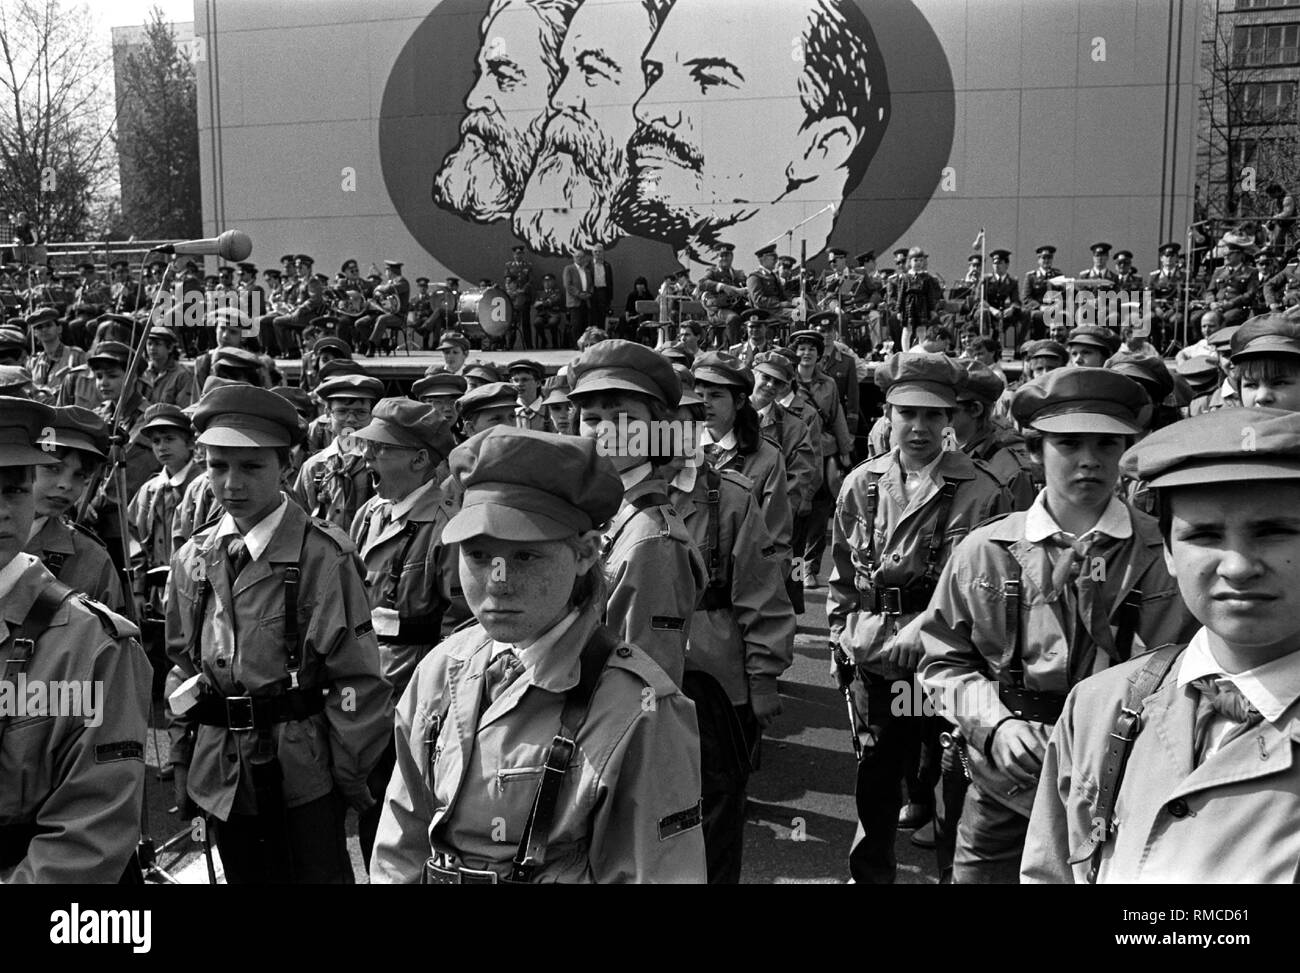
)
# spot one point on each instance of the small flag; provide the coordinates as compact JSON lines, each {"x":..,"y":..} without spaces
{"x":979,"y":240}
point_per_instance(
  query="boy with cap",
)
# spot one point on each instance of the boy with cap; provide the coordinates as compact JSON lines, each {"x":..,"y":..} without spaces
{"x":455,"y":349}
{"x":166,"y":379}
{"x":489,"y":405}
{"x":896,"y":519}
{"x":151,"y":514}
{"x":77,"y":442}
{"x":1000,"y":448}
{"x":411,"y":577}
{"x":836,"y":446}
{"x":1266,"y":363}
{"x":1090,"y":345}
{"x":230,"y":326}
{"x":485,"y":706}
{"x":71,"y":784}
{"x":741,"y":641}
{"x":798,"y":443}
{"x":53,"y":359}
{"x":526,"y":376}
{"x":1180,"y":766}
{"x":334,"y":483}
{"x":268,"y":609}
{"x":622,"y":389}
{"x":1032,"y":603}
{"x":439,"y":390}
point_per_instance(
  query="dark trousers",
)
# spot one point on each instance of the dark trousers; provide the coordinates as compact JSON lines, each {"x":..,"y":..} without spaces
{"x":990,"y":842}
{"x":377,"y":782}
{"x":266,"y":334}
{"x":304,"y":845}
{"x":729,"y":737}
{"x":823,"y":505}
{"x":579,"y":319}
{"x":886,"y":740}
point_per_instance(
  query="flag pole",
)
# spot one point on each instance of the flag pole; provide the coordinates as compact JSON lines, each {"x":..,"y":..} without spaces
{"x":979,"y":308}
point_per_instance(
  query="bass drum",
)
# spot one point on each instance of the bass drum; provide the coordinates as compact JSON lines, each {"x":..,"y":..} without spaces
{"x":485,"y":311}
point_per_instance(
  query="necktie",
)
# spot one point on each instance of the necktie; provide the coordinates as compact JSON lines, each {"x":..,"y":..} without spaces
{"x":1226,"y":700}
{"x":237,"y":558}
{"x":500,"y":673}
{"x":1075,"y":568}
{"x":713,"y":453}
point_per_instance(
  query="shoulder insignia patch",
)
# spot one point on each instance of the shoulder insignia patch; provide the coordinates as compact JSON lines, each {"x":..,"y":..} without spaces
{"x":681,"y":821}
{"x":107,"y":753}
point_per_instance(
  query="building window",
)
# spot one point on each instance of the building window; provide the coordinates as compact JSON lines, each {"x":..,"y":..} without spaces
{"x":1260,"y":45}
{"x":1266,"y":103}
{"x":1265,"y":4}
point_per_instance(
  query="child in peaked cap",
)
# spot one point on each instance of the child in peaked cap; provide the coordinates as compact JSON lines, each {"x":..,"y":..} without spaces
{"x":1203,"y":780}
{"x":267,"y":606}
{"x":896,"y":520}
{"x":411,"y":577}
{"x":1265,"y":354}
{"x":333,"y":483}
{"x":622,"y":390}
{"x":1072,"y":585}
{"x":530,"y":534}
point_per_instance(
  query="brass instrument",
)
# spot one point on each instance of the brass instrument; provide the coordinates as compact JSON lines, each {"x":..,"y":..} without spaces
{"x":352,"y":304}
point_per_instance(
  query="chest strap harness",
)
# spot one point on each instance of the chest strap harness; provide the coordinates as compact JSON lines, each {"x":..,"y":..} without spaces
{"x":413,"y":629}
{"x":914,"y":597}
{"x":531,"y":852}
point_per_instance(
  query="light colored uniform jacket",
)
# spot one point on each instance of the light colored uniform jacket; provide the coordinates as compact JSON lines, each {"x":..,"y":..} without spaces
{"x":1234,"y":819}
{"x":655,"y":578}
{"x":81,"y":784}
{"x":803,"y":467}
{"x":466,"y":775}
{"x":902,"y":532}
{"x":86,"y":568}
{"x":241,"y":651}
{"x":428,"y":589}
{"x":747,"y":646}
{"x":968,"y":646}
{"x":333,"y":486}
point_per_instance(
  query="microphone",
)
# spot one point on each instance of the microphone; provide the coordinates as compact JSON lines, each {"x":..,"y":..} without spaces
{"x":231,"y":245}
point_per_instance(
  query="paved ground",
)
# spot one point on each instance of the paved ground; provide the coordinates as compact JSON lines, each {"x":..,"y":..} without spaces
{"x":801,"y":815}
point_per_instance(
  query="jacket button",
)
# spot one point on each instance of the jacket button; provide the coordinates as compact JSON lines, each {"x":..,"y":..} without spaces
{"x":221,"y":662}
{"x":1178,"y":808}
{"x":623,"y":652}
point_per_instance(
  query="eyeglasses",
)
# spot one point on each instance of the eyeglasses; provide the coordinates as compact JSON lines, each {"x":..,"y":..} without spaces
{"x":371,"y":448}
{"x":350,"y":413}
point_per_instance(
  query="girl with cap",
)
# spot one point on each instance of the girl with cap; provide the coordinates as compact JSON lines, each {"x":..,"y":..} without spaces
{"x":625,"y":394}
{"x":78,"y":441}
{"x":741,"y":640}
{"x":1191,"y":749}
{"x":526,"y":749}
{"x":1030,"y":604}
{"x":267,"y":612}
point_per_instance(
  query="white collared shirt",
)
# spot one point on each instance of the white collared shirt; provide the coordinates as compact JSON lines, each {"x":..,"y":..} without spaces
{"x":686,"y":476}
{"x":635,"y":475}
{"x":598,"y":272}
{"x":1271,"y":688}
{"x":400,"y":508}
{"x":38,"y":525}
{"x":11,"y":572}
{"x":788,"y":400}
{"x":727,"y":442}
{"x":1040,"y":525}
{"x":764,"y":412}
{"x":258,"y":538}
{"x":178,"y":481}
{"x":915,"y":480}
{"x":536,"y":654}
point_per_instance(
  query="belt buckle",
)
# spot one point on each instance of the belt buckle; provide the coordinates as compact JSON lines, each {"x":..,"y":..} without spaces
{"x":891,"y":601}
{"x":239,"y":713}
{"x":478,"y":876}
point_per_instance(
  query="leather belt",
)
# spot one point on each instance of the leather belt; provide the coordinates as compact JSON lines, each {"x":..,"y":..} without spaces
{"x":896,"y":601}
{"x":440,"y":871}
{"x":1030,"y":705}
{"x":243,"y":713}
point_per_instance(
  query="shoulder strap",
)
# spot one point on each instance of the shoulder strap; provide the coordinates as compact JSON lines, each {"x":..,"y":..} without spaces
{"x":1011,"y":605}
{"x":577,"y":702}
{"x":873,"y":505}
{"x":713,"y":481}
{"x":292,"y":578}
{"x":398,"y":563}
{"x":1128,"y":725}
{"x":947,"y":493}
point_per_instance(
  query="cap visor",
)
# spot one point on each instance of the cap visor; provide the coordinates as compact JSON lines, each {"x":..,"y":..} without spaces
{"x":377,"y":433}
{"x":505,"y":523}
{"x":611,"y":383}
{"x":243,"y":438}
{"x":1269,"y":345}
{"x":1086,"y":422}
{"x":1229,"y":471}
{"x":920,"y":399}
{"x":15,"y":455}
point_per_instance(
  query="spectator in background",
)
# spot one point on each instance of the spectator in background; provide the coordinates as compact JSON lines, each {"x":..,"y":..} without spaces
{"x":631,"y":319}
{"x":1281,"y":219}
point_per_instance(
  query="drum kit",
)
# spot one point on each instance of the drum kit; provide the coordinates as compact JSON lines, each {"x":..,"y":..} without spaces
{"x":481,"y":311}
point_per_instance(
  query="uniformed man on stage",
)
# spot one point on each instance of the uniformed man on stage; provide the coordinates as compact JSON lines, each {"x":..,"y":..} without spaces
{"x":518,"y":279}
{"x":1167,"y":287}
{"x":722,"y":291}
{"x":1000,"y":312}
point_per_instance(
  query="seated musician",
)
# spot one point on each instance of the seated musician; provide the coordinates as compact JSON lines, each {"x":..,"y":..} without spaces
{"x":722,"y":291}
{"x":390,"y":301}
